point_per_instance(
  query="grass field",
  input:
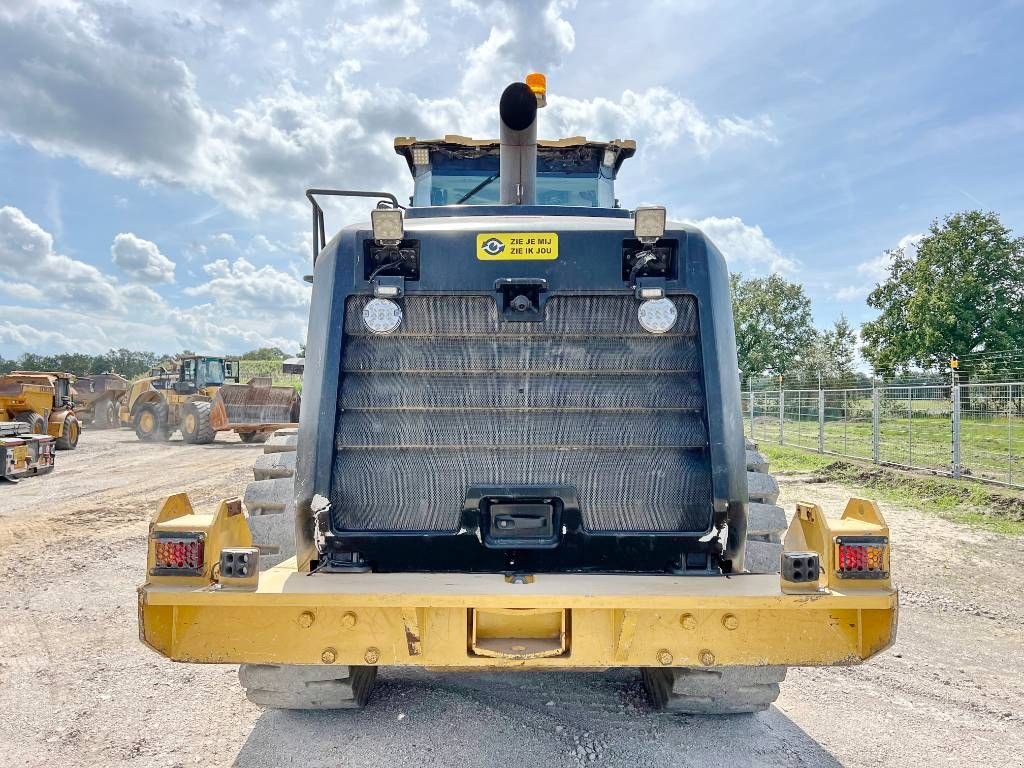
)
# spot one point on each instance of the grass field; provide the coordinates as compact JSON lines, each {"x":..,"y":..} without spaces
{"x":963,"y":501}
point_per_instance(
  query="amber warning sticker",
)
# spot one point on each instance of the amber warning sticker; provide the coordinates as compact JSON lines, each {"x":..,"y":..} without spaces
{"x":517,"y":246}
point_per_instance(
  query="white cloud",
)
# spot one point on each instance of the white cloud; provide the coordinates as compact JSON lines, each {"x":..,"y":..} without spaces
{"x":874,"y":271}
{"x":26,"y":248}
{"x":656,"y":117}
{"x":527,"y":36}
{"x":241,"y":283}
{"x":745,"y":247}
{"x":69,"y":75}
{"x":141,"y":259}
{"x":396,"y":27}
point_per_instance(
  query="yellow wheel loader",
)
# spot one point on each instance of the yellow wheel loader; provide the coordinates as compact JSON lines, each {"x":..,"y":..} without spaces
{"x":521,"y":448}
{"x":43,"y":401}
{"x":201,"y":396}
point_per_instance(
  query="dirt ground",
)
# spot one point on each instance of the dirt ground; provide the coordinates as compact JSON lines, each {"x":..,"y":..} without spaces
{"x":77,"y":687}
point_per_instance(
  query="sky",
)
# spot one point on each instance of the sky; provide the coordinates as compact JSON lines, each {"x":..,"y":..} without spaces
{"x":153,"y":156}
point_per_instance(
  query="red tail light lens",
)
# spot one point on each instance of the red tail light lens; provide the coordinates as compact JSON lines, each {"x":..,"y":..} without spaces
{"x":862,"y":557}
{"x":178,"y":554}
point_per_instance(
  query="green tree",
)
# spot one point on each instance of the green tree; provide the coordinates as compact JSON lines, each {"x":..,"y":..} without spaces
{"x":264,"y":353}
{"x":833,"y":352}
{"x":962,"y":292}
{"x":774,"y":333}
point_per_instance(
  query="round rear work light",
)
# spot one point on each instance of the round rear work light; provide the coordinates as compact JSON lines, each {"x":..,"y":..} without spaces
{"x":657,"y":315}
{"x":382,"y":315}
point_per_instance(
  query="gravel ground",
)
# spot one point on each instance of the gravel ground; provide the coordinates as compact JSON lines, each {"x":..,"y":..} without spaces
{"x":77,"y":687}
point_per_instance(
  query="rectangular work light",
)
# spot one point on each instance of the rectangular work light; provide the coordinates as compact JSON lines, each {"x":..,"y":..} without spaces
{"x":388,"y":228}
{"x":649,"y":224}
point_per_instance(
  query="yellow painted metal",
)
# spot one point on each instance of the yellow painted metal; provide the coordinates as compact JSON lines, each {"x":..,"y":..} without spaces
{"x":518,"y":634}
{"x":37,"y":392}
{"x":485,"y":620}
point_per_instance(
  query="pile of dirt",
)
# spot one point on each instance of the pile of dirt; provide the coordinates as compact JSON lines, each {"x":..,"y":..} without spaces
{"x":940,"y":492}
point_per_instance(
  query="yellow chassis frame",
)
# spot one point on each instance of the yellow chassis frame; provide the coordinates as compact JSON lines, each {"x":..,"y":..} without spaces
{"x":541,"y":621}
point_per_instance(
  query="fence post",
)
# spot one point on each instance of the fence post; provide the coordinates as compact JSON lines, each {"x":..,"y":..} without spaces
{"x":750,"y":390}
{"x":782,"y":414}
{"x":955,"y":451}
{"x":1009,"y":434}
{"x":821,"y":419}
{"x":876,"y":425}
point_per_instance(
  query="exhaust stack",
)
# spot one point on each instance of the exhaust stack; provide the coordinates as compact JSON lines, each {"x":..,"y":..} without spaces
{"x":518,"y":153}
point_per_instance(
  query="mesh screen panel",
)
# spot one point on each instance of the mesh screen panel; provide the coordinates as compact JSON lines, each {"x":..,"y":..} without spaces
{"x":457,"y":397}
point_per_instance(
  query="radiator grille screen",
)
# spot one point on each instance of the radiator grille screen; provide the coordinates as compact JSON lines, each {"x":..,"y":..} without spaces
{"x":457,"y":397}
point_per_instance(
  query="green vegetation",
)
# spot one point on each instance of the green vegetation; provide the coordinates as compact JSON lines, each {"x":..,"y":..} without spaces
{"x":775,"y":335}
{"x":961,"y":501}
{"x":961,"y":293}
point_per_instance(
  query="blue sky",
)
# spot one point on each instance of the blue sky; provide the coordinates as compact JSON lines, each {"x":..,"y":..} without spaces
{"x":153,"y":156}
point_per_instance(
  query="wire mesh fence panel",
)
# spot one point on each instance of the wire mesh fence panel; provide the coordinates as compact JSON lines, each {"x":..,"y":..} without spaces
{"x":907,"y":425}
{"x":848,"y":422}
{"x":800,"y":418}
{"x":914,"y":427}
{"x":989,"y":418}
{"x":763,"y":419}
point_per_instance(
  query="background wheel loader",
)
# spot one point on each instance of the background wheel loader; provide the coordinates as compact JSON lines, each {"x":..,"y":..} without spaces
{"x":43,"y":401}
{"x":98,"y":399}
{"x":201,"y":396}
{"x":522,"y":448}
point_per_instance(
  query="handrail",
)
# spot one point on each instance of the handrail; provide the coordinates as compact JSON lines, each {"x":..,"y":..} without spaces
{"x":319,"y":235}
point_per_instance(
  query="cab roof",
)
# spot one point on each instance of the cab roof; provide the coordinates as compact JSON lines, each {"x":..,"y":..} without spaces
{"x":463,"y":146}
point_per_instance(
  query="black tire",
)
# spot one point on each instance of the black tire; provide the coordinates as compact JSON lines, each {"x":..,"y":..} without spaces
{"x":253,"y":437}
{"x":712,"y":690}
{"x":104,"y":415}
{"x":36,"y":423}
{"x":766,"y":520}
{"x":270,"y":499}
{"x":150,"y":431}
{"x":69,"y":434}
{"x":195,"y":423}
{"x":307,"y":686}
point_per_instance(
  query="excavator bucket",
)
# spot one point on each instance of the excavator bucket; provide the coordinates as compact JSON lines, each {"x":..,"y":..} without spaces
{"x":256,"y":405}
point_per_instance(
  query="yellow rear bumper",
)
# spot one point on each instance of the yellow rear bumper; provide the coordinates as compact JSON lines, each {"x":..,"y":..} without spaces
{"x":483,"y":620}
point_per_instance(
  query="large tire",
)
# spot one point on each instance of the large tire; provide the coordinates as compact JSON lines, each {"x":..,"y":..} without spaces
{"x":150,"y":422}
{"x":321,"y":686}
{"x":104,"y":415}
{"x":766,"y":520}
{"x":195,"y":423}
{"x":270,"y":499}
{"x":69,"y":434}
{"x":36,"y":423}
{"x":713,"y":690}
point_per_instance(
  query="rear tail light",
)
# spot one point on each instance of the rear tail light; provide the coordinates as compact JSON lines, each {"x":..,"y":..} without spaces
{"x":862,"y":557}
{"x":178,"y":554}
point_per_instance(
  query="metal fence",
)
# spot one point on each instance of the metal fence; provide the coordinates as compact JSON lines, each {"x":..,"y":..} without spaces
{"x":963,"y":430}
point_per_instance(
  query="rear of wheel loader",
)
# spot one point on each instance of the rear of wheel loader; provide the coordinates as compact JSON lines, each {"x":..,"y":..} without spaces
{"x":522,"y":448}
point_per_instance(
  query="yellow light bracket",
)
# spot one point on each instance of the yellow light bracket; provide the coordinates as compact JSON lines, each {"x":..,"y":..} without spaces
{"x":538,"y":83}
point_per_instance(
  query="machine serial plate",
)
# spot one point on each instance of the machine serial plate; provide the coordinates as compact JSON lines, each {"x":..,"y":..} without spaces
{"x":517,"y":246}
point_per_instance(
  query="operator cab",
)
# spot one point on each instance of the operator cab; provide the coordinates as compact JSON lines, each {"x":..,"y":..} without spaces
{"x":457,"y":170}
{"x":196,"y":373}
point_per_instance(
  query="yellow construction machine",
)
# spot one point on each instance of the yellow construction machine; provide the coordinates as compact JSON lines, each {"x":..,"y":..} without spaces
{"x":522,"y":448}
{"x":43,"y":401}
{"x":201,"y":396}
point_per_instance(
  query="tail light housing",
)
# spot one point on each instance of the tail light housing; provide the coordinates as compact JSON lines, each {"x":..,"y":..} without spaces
{"x":862,"y":557}
{"x":178,"y":554}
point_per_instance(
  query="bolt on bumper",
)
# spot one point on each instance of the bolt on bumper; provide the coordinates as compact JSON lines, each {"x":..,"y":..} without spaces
{"x":284,"y":616}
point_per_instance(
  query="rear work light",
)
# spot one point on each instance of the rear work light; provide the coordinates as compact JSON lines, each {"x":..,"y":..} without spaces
{"x":178,"y":554}
{"x":862,"y":557}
